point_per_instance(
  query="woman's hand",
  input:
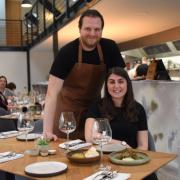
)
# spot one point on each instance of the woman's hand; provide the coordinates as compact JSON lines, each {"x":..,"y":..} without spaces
{"x":113,"y":141}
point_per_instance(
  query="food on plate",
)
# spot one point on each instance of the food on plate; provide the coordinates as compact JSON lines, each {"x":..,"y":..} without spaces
{"x":91,"y":153}
{"x":78,"y":155}
{"x":128,"y":155}
{"x":85,"y":154}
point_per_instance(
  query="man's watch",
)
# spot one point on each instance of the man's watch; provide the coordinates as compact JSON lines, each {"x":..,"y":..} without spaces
{"x":123,"y":143}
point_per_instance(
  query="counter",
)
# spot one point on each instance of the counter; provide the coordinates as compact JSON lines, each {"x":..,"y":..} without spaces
{"x":161,"y":100}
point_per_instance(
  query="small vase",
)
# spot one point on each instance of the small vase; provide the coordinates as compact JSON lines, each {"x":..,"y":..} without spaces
{"x":43,"y":150}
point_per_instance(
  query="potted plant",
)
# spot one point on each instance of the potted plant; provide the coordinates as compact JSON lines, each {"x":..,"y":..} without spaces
{"x":43,"y":146}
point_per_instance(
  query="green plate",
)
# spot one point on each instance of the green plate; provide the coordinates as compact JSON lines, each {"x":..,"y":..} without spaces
{"x":143,"y":158}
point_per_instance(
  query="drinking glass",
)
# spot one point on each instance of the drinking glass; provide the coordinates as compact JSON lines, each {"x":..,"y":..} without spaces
{"x":101,"y":133}
{"x":67,"y":124}
{"x":25,"y":124}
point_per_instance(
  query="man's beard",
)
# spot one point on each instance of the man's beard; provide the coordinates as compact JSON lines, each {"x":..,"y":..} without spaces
{"x":88,"y":45}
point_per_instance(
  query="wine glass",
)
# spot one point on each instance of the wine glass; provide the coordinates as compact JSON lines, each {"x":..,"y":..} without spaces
{"x":101,"y":133}
{"x":67,"y":124}
{"x":25,"y":124}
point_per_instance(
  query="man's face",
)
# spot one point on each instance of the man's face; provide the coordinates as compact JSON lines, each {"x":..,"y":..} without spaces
{"x":90,"y":32}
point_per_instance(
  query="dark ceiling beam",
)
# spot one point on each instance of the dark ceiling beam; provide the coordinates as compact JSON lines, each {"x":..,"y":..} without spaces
{"x":150,"y":40}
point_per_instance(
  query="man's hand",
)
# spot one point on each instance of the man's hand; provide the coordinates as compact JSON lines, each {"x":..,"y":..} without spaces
{"x":50,"y":136}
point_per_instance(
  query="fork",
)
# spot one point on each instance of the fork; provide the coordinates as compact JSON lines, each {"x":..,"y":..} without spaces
{"x":9,"y":155}
{"x":105,"y":175}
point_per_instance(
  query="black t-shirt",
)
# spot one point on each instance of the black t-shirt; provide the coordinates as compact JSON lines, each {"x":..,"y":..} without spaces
{"x":68,"y":56}
{"x":123,"y":129}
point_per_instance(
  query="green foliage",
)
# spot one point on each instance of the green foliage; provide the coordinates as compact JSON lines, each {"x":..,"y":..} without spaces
{"x":42,"y":142}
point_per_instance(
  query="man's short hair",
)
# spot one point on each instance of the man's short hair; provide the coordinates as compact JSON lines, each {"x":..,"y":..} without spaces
{"x":90,"y":13}
{"x":142,"y":70}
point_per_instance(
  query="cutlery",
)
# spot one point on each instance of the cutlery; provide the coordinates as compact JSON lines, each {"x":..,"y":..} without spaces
{"x":77,"y":143}
{"x":105,"y":175}
{"x":9,"y":154}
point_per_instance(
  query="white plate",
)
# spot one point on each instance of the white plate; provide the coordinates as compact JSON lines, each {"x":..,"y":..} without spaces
{"x":30,"y":137}
{"x":108,"y":148}
{"x":45,"y":169}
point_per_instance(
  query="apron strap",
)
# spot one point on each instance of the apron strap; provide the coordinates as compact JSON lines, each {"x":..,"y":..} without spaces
{"x":80,"y":53}
{"x":100,"y":53}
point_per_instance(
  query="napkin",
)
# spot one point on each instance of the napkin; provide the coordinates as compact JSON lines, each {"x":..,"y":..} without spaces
{"x":8,"y":134}
{"x":6,"y":158}
{"x":119,"y":176}
{"x":75,"y":144}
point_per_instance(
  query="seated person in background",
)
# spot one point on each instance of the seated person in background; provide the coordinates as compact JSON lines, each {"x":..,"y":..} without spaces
{"x":127,"y":117}
{"x":9,"y":90}
{"x":141,"y":72}
{"x":132,"y":72}
{"x":3,"y":100}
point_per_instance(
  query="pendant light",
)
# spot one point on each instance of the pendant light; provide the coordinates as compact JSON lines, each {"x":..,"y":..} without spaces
{"x":26,"y":4}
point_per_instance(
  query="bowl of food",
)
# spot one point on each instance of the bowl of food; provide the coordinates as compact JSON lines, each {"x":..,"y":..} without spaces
{"x":84,"y":156}
{"x":129,"y":157}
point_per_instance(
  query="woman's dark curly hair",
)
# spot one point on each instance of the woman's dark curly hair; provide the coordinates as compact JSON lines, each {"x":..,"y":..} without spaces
{"x":108,"y":108}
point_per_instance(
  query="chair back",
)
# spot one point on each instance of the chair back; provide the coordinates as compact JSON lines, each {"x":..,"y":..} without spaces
{"x":151,"y":144}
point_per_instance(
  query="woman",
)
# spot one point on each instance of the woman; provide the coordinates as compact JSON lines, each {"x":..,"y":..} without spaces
{"x":127,"y":117}
{"x":3,"y":100}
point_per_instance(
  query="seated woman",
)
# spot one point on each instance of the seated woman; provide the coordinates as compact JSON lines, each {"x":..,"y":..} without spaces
{"x":3,"y":100}
{"x":127,"y":117}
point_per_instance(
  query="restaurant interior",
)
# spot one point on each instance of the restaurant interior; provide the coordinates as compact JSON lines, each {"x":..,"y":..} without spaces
{"x":30,"y":38}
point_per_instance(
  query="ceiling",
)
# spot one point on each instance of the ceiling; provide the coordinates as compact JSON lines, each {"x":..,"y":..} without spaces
{"x":126,"y":20}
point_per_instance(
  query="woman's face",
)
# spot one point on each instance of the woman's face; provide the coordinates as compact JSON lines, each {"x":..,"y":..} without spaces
{"x":2,"y":83}
{"x":117,"y":86}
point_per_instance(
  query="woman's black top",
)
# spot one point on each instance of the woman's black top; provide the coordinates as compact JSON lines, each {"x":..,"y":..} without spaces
{"x":122,"y":129}
{"x":3,"y":101}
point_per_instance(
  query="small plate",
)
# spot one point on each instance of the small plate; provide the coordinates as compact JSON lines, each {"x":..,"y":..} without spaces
{"x":45,"y":169}
{"x":108,"y":148}
{"x":81,"y":160}
{"x":143,"y":158}
{"x":30,"y":137}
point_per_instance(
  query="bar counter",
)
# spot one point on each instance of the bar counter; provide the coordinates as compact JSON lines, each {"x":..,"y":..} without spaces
{"x":161,"y":100}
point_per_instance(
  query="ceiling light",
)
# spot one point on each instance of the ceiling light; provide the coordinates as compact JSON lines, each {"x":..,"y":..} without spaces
{"x":26,"y":4}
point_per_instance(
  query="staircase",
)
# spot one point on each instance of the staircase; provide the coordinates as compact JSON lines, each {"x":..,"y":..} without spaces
{"x":45,"y":18}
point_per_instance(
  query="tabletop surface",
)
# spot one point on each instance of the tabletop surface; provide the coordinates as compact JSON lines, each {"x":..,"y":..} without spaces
{"x":75,"y":171}
{"x":15,"y":117}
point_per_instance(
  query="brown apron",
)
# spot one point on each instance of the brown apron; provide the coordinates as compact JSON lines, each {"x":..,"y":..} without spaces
{"x":81,"y":87}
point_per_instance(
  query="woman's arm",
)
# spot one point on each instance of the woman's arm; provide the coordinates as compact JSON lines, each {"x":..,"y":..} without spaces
{"x":142,"y":140}
{"x":88,"y":132}
{"x":88,"y":129}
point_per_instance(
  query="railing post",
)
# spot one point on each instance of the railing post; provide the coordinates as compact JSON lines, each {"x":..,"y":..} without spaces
{"x":44,"y":16}
{"x":21,"y":32}
{"x":67,"y":9}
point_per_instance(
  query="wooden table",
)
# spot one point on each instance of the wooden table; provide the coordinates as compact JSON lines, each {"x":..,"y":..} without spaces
{"x":76,"y":171}
{"x":15,"y":117}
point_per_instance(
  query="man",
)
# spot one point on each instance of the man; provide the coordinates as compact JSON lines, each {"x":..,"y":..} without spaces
{"x":78,"y":73}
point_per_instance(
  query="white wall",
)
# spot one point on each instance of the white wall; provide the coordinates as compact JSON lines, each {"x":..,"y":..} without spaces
{"x":41,"y":62}
{"x":13,"y":66}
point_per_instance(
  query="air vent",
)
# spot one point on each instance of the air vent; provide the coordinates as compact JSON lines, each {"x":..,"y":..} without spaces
{"x":162,"y":48}
{"x":177,"y":44}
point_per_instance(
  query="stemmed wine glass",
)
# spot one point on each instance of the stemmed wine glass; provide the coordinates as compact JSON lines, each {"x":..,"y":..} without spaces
{"x":101,"y":133}
{"x":25,"y":124}
{"x":67,"y":124}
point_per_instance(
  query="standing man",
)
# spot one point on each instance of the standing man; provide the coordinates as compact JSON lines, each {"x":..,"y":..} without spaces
{"x":77,"y":74}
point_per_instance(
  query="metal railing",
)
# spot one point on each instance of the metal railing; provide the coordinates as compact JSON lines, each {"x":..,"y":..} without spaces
{"x":45,"y":17}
